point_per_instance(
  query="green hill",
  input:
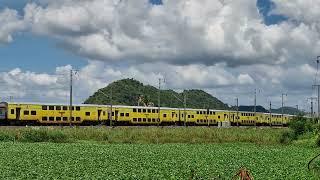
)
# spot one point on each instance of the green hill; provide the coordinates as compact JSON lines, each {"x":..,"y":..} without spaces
{"x":288,"y":110}
{"x":129,"y":91}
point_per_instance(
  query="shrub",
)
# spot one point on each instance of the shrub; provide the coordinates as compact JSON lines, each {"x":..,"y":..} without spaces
{"x":287,"y":137}
{"x":43,"y":135}
{"x":6,"y":137}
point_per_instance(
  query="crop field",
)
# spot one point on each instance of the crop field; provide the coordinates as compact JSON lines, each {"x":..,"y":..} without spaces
{"x":152,"y":161}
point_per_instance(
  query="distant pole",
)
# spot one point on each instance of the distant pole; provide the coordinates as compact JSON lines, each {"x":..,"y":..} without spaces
{"x":159,"y":99}
{"x":70,"y":107}
{"x":237,"y":118}
{"x":316,"y":85}
{"x":311,"y":107}
{"x":111,"y":107}
{"x":282,"y":104}
{"x":270,"y":116}
{"x":255,"y":108}
{"x":185,"y":106}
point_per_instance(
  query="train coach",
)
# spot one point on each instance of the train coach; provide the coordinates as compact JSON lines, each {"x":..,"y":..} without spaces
{"x":15,"y":113}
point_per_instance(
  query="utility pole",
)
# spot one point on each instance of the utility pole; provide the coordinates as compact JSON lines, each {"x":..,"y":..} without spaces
{"x":270,"y":114}
{"x":311,"y":107}
{"x":283,"y":94}
{"x":185,"y":106}
{"x":70,"y":106}
{"x":317,"y":86}
{"x":160,"y":79}
{"x":237,"y":104}
{"x":111,"y":107}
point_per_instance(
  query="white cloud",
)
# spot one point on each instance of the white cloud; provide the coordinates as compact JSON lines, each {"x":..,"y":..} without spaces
{"x":10,"y":22}
{"x":220,"y":46}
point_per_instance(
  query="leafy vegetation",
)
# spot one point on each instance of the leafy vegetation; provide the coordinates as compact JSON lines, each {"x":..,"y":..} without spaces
{"x":146,"y":135}
{"x":151,"y":161}
{"x":132,"y":92}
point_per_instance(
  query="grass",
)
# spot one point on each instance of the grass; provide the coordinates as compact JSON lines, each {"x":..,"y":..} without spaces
{"x":152,"y":161}
{"x":143,"y":135}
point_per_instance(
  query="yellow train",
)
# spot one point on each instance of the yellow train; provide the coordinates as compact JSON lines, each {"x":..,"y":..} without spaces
{"x":83,"y":114}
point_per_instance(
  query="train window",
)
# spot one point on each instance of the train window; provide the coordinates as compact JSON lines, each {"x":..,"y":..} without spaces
{"x":58,"y":118}
{"x":65,"y":108}
{"x":87,"y":113}
{"x":158,"y":120}
{"x":12,"y":111}
{"x":139,"y":110}
{"x":58,"y":107}
{"x":121,"y":114}
{"x":44,"y":118}
{"x":51,"y":107}
{"x":144,"y":110}
{"x":197,"y":112}
{"x":127,"y":114}
{"x":134,"y":119}
{"x":204,"y":112}
{"x":78,"y":119}
{"x":134,"y":110}
{"x":188,"y":116}
{"x":149,"y":120}
{"x":65,"y":118}
{"x":197,"y":120}
{"x":112,"y":113}
{"x":51,"y":118}
{"x":164,"y":115}
{"x":44,"y":107}
{"x":72,"y":118}
{"x":139,"y":119}
{"x":33,"y":113}
{"x":200,"y":112}
{"x":153,"y":120}
{"x":218,"y":117}
{"x":144,"y":119}
{"x":26,"y":112}
{"x":77,"y":108}
{"x":192,"y":116}
{"x":153,"y":111}
{"x":149,"y":110}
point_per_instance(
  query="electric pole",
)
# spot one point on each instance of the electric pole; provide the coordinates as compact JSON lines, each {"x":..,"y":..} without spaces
{"x":311,"y":107}
{"x":159,"y":98}
{"x":237,"y":104}
{"x":70,"y":106}
{"x":317,"y":86}
{"x":185,"y":106}
{"x":270,"y":114}
{"x":283,"y":94}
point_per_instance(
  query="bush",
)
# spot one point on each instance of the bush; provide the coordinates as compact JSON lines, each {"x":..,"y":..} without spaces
{"x":43,"y":135}
{"x":6,"y":137}
{"x":318,"y":141}
{"x":287,"y":137}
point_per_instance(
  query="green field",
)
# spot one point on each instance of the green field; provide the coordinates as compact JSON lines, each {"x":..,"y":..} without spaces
{"x":152,"y":161}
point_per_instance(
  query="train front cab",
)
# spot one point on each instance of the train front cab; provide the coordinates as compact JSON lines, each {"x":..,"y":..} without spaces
{"x":3,"y":112}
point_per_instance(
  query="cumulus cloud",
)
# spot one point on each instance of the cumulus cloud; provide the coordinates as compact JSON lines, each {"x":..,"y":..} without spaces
{"x":223,"y":47}
{"x":10,"y":22}
{"x":176,"y":32}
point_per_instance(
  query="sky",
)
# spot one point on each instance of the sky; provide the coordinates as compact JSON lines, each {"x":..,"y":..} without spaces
{"x":227,"y":48}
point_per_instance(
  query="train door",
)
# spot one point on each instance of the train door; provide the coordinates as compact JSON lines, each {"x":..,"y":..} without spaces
{"x":116,"y":115}
{"x":18,"y":113}
{"x":99,"y":114}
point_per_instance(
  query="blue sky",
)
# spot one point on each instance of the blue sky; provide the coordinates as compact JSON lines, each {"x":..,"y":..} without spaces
{"x":41,"y":54}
